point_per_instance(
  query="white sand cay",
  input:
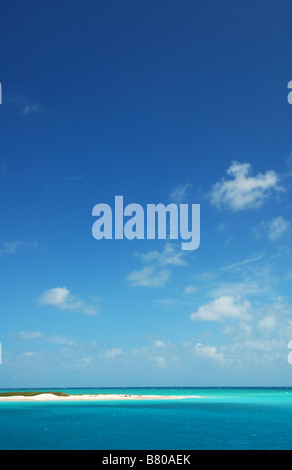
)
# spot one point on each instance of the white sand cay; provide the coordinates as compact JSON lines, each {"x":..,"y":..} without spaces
{"x":100,"y":397}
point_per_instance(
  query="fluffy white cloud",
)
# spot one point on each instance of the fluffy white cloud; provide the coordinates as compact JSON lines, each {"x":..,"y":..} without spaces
{"x":242,"y":190}
{"x":267,"y":324}
{"x":224,"y":307}
{"x":61,"y":297}
{"x":208,"y":352}
{"x":58,"y":296}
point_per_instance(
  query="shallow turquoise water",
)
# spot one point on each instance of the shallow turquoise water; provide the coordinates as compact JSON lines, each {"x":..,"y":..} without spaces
{"x":221,"y":419}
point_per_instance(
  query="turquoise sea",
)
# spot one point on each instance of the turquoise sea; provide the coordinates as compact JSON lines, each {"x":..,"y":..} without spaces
{"x":223,"y":418}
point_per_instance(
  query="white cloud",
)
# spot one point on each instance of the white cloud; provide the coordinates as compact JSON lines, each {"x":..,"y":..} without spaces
{"x":29,"y":354}
{"x":275,"y":228}
{"x":170,"y":256}
{"x":267,"y":325}
{"x":159,"y":344}
{"x":208,"y":352}
{"x":84,"y":362}
{"x":221,"y":227}
{"x":73,"y":179}
{"x":58,"y":339}
{"x":31,"y":109}
{"x":190,"y":289}
{"x":242,"y":190}
{"x":161,"y":362}
{"x":111,"y":353}
{"x":11,"y":248}
{"x":243,"y":262}
{"x":247,"y":287}
{"x":162,"y":353}
{"x":30,"y":335}
{"x":224,"y":307}
{"x":149,"y":276}
{"x":57,"y":296}
{"x":179,"y":193}
{"x":170,"y":303}
{"x":24,"y":105}
{"x":156,"y":272}
{"x":264,"y":345}
{"x":61,"y":297}
{"x":240,"y":332}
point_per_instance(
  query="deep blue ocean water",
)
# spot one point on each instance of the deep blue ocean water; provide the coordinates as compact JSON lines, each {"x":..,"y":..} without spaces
{"x":223,"y":418}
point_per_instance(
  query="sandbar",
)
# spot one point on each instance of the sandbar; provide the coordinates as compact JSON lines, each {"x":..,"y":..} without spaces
{"x":88,"y":397}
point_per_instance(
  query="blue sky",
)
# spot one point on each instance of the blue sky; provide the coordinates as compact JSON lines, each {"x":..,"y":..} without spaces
{"x":164,"y":101}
